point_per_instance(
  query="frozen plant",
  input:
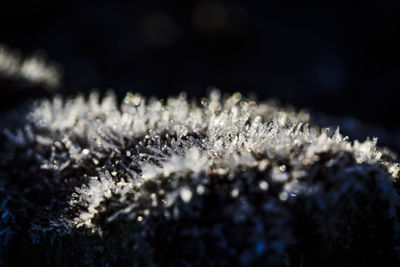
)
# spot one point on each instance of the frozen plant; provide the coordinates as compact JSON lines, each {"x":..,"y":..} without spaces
{"x":222,"y":181}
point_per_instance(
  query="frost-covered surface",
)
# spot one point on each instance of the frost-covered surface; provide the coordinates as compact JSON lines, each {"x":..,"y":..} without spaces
{"x":34,"y":70}
{"x":221,"y":181}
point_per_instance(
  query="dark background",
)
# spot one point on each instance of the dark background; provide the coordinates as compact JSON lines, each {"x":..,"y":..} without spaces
{"x":341,"y":59}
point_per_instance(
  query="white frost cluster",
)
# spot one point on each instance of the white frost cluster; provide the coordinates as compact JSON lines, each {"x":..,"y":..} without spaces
{"x":152,"y":162}
{"x":149,"y":139}
{"x":34,"y":69}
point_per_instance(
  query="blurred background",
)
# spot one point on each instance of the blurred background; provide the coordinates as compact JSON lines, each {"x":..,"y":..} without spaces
{"x":340,"y":59}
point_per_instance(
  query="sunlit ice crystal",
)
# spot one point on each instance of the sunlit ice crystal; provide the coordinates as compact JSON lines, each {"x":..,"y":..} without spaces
{"x":178,"y":181}
{"x":36,"y":70}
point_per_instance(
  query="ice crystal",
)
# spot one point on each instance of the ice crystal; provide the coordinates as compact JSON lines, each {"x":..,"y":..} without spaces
{"x":222,"y":181}
{"x":32,"y":69}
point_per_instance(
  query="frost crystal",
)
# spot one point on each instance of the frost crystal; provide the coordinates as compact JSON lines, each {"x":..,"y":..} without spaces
{"x":226,"y":181}
{"x":33,"y":69}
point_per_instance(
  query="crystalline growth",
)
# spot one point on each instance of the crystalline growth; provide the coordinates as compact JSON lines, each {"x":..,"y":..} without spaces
{"x":223,"y":182}
{"x":34,"y":70}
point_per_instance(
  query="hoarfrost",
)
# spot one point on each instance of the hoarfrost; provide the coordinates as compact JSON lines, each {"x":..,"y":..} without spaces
{"x":214,"y":170}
